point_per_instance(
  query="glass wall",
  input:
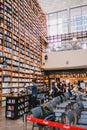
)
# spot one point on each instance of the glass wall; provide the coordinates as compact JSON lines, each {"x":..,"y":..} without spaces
{"x":62,"y":23}
{"x":78,"y":19}
{"x":57,"y":23}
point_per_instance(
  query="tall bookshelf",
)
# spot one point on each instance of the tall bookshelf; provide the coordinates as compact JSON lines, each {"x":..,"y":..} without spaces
{"x":22,"y":26}
{"x":73,"y":75}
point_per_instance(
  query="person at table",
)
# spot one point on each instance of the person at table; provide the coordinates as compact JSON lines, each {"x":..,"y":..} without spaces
{"x":34,"y":93}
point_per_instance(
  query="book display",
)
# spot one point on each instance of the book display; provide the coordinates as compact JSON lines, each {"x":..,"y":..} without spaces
{"x":22,"y":26}
{"x":16,"y":106}
{"x":67,"y":75}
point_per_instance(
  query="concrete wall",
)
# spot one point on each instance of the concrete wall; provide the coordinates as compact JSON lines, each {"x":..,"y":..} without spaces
{"x":65,"y":60}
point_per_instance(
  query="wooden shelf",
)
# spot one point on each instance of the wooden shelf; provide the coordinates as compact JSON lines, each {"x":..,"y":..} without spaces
{"x":16,"y":106}
{"x":71,"y":75}
{"x":22,"y":28}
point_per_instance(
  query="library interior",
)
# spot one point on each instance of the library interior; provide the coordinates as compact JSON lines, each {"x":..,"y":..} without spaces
{"x":41,"y":73}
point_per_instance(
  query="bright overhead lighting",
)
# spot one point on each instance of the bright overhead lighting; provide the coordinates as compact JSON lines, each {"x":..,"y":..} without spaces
{"x":74,"y":39}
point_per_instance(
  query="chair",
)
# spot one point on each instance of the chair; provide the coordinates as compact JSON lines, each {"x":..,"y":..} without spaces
{"x":64,"y":105}
{"x":57,"y":100}
{"x":54,"y":105}
{"x":66,"y":94}
{"x":37,"y":112}
{"x":81,"y":119}
{"x":69,"y":99}
{"x":78,"y":98}
{"x":58,"y":115}
{"x":40,"y":99}
{"x":84,"y":98}
{"x":70,"y":119}
{"x":81,"y":106}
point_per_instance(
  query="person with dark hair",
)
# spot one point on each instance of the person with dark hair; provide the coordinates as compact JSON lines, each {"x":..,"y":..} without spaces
{"x":55,"y":90}
{"x":45,"y":87}
{"x":34,"y":93}
{"x":51,"y":93}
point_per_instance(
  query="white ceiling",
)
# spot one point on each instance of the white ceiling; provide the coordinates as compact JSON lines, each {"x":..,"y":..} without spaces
{"x":48,"y":5}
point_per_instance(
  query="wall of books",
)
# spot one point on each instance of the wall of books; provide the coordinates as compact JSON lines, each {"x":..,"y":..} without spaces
{"x":71,"y":76}
{"x":22,"y":26}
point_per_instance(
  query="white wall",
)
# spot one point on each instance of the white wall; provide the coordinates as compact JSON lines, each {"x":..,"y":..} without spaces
{"x":58,"y":60}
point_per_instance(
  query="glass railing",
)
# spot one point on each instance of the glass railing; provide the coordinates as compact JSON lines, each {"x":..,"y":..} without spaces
{"x":72,"y":41}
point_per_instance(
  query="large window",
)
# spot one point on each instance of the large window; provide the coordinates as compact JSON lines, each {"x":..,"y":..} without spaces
{"x":62,"y":23}
{"x":57,"y":23}
{"x":75,"y":20}
{"x":78,"y":19}
{"x":65,"y":21}
{"x":84,"y":17}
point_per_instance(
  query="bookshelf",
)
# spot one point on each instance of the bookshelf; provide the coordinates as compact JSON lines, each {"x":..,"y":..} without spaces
{"x":16,"y":106}
{"x":22,"y":26}
{"x":72,"y":75}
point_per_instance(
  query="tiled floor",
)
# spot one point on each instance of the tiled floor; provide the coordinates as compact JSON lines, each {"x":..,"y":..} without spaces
{"x":7,"y":124}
